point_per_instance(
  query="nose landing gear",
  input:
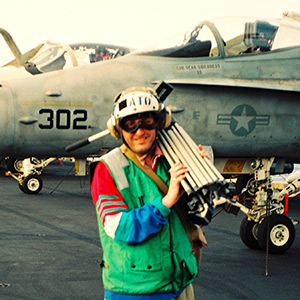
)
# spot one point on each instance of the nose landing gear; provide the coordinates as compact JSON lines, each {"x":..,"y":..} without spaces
{"x":29,"y":179}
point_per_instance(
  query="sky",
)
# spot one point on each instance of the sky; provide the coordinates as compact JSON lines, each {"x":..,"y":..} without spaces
{"x":132,"y":23}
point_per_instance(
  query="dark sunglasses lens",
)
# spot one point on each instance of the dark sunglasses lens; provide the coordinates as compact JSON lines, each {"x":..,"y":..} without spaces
{"x":129,"y":125}
{"x":131,"y":129}
{"x":148,"y":124}
{"x":146,"y":121}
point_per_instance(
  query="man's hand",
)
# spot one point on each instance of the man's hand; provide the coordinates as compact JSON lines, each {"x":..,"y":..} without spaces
{"x":203,"y":153}
{"x":177,"y":173}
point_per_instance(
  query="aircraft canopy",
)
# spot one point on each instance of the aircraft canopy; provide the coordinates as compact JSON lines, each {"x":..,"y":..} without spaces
{"x":233,"y":36}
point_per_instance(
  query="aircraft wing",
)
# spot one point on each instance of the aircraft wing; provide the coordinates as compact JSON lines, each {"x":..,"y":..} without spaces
{"x":283,"y":85}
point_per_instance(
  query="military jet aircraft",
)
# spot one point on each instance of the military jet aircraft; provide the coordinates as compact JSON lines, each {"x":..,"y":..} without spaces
{"x":236,"y":89}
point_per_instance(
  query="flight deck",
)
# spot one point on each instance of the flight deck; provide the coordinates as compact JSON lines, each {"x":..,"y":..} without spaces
{"x":50,"y":249}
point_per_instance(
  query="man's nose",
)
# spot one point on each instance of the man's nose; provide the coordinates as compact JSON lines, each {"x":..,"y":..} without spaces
{"x":140,"y":131}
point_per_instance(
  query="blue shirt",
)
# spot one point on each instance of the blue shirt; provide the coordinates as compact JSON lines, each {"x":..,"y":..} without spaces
{"x":160,"y":296}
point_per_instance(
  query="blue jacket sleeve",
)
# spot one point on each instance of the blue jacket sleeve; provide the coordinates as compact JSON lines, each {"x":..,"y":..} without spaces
{"x":138,"y":224}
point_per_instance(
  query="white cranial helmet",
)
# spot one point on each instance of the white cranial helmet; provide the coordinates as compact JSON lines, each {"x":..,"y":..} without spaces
{"x":136,"y":100}
{"x":139,"y":100}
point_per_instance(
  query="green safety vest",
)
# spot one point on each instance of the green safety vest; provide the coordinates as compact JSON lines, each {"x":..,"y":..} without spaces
{"x":162,"y":263}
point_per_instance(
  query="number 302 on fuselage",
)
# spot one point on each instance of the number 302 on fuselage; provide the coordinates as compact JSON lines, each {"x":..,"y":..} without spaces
{"x":63,"y":119}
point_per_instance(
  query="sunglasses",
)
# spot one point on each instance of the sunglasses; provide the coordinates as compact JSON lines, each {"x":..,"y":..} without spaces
{"x":133,"y":123}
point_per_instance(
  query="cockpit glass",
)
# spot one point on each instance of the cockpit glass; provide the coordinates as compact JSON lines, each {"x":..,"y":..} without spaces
{"x":232,"y":36}
{"x":247,"y":35}
{"x":48,"y":54}
{"x":201,"y":38}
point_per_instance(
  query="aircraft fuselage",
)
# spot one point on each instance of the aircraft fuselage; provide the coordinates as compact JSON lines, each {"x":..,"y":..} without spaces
{"x":241,"y":106}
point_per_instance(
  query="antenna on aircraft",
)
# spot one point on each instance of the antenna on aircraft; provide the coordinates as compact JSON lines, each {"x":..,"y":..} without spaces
{"x":86,"y":141}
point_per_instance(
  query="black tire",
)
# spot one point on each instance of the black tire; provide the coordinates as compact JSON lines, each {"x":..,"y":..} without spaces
{"x":32,"y":184}
{"x":282,"y":234}
{"x":21,"y":187}
{"x":247,"y":233}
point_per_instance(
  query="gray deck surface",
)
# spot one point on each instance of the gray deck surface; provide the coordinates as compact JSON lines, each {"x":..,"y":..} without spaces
{"x":49,"y":248}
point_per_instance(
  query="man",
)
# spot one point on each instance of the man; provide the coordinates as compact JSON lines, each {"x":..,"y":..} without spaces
{"x":147,"y":253}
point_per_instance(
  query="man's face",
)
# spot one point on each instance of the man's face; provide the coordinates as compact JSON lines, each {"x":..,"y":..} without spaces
{"x":141,"y":139}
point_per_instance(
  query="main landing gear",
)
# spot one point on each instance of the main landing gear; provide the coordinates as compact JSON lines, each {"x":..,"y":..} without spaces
{"x":266,"y":224}
{"x":28,"y":174}
{"x":279,"y":229}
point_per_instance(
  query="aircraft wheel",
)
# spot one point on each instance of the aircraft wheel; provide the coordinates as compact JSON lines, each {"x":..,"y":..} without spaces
{"x":282,"y":234}
{"x":32,"y":184}
{"x":18,"y":165}
{"x":248,"y":230}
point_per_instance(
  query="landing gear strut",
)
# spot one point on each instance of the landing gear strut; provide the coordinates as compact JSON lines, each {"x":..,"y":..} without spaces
{"x":265,"y":224}
{"x":29,"y":179}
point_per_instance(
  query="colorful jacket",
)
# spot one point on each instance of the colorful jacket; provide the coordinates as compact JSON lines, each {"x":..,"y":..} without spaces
{"x":145,"y":248}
